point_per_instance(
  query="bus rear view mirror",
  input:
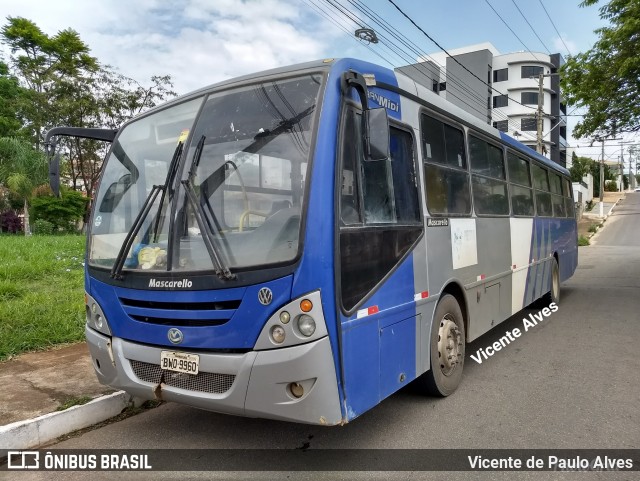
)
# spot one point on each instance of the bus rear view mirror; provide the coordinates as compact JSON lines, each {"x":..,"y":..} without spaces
{"x":376,"y":134}
{"x":54,"y":174}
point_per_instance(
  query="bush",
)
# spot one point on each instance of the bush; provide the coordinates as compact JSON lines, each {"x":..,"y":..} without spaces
{"x":593,"y":228}
{"x":10,"y":222}
{"x":62,"y":212}
{"x":42,"y":227}
{"x":583,"y":241}
{"x":589,"y":205}
{"x":611,"y":186}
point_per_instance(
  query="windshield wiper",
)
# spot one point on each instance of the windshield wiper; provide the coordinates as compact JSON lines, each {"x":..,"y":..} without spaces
{"x":116,"y":270}
{"x":221,"y":270}
{"x":263,"y":138}
{"x":206,"y":229}
{"x":173,"y":169}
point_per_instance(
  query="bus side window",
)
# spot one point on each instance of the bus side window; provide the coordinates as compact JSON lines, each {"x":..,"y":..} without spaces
{"x":543,"y":196}
{"x":488,"y":179}
{"x":446,"y":176}
{"x":351,"y":156}
{"x":521,"y":192}
{"x":405,"y":180}
{"x":379,"y":210}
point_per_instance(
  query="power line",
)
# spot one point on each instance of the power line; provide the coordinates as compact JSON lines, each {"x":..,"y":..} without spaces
{"x":554,"y":27}
{"x":473,"y":96}
{"x":530,"y":26}
{"x":514,"y":33}
{"x":452,"y":57}
{"x":318,"y":9}
{"x":401,"y":53}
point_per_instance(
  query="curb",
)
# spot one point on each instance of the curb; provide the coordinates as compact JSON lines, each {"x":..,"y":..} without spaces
{"x":593,"y":236}
{"x":38,"y":431}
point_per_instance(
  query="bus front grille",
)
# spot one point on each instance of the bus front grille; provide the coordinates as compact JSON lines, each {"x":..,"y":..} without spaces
{"x":209,"y":382}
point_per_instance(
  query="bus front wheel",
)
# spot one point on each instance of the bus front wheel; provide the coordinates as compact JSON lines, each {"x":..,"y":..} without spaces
{"x":447,"y":349}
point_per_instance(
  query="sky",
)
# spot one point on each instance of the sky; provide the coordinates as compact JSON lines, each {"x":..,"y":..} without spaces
{"x":200,"y":42}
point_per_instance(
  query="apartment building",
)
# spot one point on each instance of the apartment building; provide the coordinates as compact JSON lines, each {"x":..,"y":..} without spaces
{"x":502,"y":90}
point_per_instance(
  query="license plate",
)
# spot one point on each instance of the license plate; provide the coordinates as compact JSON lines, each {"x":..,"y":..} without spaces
{"x":180,"y":362}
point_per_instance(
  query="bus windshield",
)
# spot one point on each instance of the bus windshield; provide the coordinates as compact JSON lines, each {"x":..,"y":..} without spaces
{"x":231,"y":198}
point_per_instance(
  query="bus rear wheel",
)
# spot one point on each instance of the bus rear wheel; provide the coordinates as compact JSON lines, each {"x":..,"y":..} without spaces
{"x":447,"y":349}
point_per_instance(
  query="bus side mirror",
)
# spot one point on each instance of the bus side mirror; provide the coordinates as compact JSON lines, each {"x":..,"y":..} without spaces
{"x":54,"y":174}
{"x":376,"y":134}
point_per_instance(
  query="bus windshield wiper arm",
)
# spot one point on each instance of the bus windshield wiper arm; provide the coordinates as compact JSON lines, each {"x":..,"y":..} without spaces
{"x":221,"y":270}
{"x":266,"y":136}
{"x":116,"y":270}
{"x":168,"y":185}
{"x":206,"y":229}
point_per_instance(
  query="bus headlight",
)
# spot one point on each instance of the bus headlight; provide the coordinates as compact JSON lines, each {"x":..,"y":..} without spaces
{"x":95,"y":317}
{"x":277,"y":334}
{"x":291,"y":325}
{"x":306,"y":325}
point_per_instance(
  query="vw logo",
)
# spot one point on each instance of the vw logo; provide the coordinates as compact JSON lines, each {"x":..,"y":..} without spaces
{"x":175,"y":335}
{"x":265,"y":296}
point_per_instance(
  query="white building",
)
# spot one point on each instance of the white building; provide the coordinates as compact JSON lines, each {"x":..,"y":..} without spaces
{"x":502,"y":90}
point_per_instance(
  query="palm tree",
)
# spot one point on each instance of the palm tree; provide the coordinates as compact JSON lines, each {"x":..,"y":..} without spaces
{"x":21,"y":170}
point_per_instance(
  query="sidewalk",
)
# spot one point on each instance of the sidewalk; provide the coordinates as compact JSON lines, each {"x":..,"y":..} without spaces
{"x":37,"y":384}
{"x":592,"y":217}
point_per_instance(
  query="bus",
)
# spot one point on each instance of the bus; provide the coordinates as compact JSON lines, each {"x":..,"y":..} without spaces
{"x":301,"y":243}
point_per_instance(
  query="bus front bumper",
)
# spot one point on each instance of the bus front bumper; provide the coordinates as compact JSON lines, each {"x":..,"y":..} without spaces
{"x":255,"y":384}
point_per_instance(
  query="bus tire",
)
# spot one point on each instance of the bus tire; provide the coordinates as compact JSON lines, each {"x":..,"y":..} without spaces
{"x":554,"y":294}
{"x":447,"y":349}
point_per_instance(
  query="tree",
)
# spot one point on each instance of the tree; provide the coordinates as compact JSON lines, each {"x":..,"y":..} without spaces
{"x":21,"y":169}
{"x":44,"y":64}
{"x":11,"y":98}
{"x":604,"y":79}
{"x":104,"y":99}
{"x":580,"y":166}
{"x":65,"y":85}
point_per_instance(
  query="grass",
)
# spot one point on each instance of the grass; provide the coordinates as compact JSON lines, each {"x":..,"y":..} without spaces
{"x":583,"y":241}
{"x":74,"y":401}
{"x":41,"y":292}
{"x":593,"y":228}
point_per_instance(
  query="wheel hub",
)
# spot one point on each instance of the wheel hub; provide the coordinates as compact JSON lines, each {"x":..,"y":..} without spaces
{"x":449,"y":345}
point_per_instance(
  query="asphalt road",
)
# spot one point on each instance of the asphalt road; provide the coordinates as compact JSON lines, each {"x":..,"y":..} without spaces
{"x":623,"y":225}
{"x":573,"y":381}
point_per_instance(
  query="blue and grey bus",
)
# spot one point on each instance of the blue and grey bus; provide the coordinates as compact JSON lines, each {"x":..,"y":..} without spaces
{"x":301,"y":243}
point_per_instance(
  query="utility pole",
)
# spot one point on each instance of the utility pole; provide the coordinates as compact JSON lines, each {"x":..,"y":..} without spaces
{"x":539,"y":113}
{"x":602,"y":180}
{"x":621,"y":168}
{"x":601,"y":139}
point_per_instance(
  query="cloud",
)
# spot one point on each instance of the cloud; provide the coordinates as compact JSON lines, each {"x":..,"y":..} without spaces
{"x":560,"y":47}
{"x":197,"y":42}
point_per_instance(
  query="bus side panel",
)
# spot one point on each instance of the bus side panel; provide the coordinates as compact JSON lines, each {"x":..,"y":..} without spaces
{"x":539,"y":255}
{"x":550,"y":236}
{"x":490,"y":302}
{"x":425,"y":305}
{"x":522,"y":231}
{"x":566,"y":245}
{"x":378,"y":341}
